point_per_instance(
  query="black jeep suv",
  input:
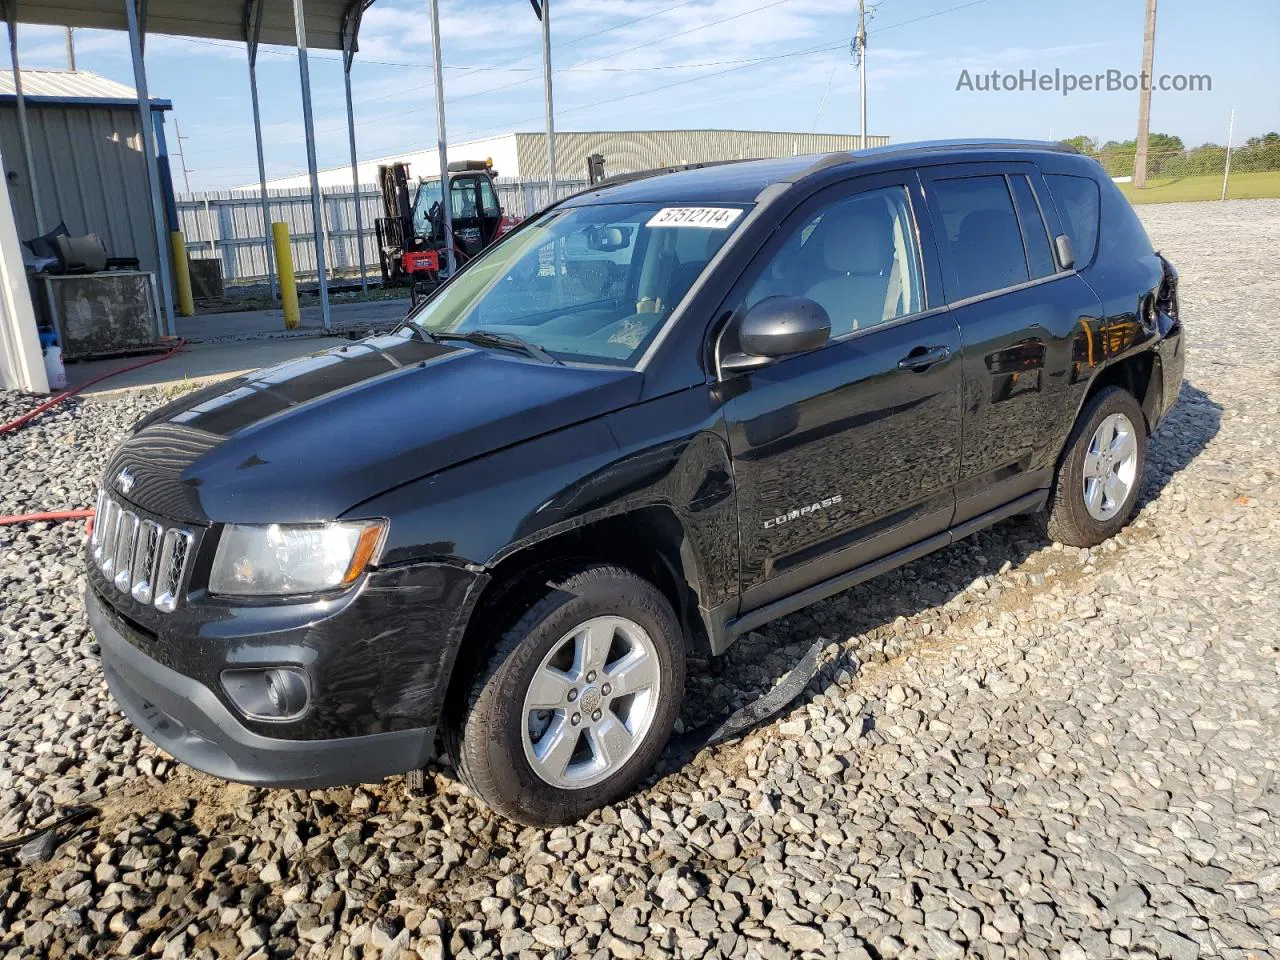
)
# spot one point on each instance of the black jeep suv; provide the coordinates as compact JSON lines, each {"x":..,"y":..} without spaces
{"x":657,"y":415}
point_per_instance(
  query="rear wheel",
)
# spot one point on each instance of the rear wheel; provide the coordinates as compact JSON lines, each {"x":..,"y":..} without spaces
{"x":1098,"y":479}
{"x":577,"y":701}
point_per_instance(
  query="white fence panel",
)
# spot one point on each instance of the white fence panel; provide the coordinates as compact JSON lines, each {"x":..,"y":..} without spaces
{"x":227,"y":225}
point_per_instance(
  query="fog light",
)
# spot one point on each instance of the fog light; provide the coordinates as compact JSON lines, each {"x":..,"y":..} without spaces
{"x":271,"y":693}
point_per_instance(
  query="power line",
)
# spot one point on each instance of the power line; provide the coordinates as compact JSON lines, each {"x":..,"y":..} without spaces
{"x":580,"y":64}
{"x":930,"y":16}
{"x":468,"y":68}
{"x":735,"y":66}
{"x":583,"y":63}
{"x":711,"y":76}
{"x":738,"y":64}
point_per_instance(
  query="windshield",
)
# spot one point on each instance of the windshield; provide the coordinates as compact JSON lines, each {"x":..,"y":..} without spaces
{"x":591,"y":283}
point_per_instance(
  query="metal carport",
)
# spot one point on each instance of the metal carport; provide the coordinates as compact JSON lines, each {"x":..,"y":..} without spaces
{"x":307,"y":24}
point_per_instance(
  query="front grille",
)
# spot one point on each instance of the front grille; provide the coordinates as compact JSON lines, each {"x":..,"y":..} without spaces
{"x":140,"y":557}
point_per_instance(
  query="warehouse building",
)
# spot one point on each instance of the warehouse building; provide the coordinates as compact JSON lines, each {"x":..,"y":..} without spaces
{"x":524,"y":155}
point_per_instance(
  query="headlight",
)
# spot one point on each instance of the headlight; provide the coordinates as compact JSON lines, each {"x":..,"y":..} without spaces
{"x":274,"y":560}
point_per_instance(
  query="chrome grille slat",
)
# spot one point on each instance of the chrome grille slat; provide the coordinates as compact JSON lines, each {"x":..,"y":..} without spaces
{"x":140,"y":557}
{"x":144,"y":560}
{"x":174,"y":550}
{"x":95,"y":540}
{"x":107,"y":551}
{"x":126,"y":538}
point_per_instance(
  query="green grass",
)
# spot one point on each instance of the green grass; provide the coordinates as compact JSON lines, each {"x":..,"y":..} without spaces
{"x":1243,"y":186}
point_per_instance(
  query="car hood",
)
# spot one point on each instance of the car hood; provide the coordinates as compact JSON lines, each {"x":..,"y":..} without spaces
{"x":312,"y":438}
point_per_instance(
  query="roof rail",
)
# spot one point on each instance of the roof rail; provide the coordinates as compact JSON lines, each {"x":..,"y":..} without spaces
{"x":928,"y":146}
{"x":932,"y":146}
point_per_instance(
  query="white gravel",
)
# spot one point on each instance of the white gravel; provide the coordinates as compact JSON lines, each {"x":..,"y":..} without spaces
{"x":1013,"y":750}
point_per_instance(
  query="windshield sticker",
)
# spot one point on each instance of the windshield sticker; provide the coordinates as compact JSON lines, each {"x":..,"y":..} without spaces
{"x":713,"y":218}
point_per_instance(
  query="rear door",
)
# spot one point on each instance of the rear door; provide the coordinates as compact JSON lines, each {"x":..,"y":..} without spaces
{"x":850,"y":452}
{"x":1021,"y":316}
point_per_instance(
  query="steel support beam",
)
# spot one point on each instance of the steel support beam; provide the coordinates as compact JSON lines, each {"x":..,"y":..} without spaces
{"x":350,"y":27}
{"x":309,"y":128}
{"x":11,"y":15}
{"x":147,"y":131}
{"x":252,"y":31}
{"x":446,"y":193}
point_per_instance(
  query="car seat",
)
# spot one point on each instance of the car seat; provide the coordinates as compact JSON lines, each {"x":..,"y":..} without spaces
{"x":856,"y":245}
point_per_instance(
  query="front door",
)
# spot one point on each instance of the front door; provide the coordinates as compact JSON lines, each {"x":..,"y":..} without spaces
{"x":850,"y":452}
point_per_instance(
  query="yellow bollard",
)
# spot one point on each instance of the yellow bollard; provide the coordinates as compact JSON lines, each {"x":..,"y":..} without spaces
{"x":284,"y":267}
{"x":182,"y":274}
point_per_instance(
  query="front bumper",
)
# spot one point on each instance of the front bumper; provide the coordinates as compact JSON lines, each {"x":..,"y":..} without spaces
{"x":377,"y":660}
{"x":185,"y":719}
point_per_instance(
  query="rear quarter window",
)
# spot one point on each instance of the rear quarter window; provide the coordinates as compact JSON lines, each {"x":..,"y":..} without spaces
{"x":1080,"y":209}
{"x":1121,"y":236}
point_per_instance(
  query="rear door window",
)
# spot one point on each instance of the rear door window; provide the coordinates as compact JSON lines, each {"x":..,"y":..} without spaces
{"x":1077,"y":201}
{"x":981,"y":235}
{"x":1034,"y":233}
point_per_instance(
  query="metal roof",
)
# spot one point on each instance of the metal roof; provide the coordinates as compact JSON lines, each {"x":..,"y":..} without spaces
{"x":212,"y":19}
{"x":70,"y":86}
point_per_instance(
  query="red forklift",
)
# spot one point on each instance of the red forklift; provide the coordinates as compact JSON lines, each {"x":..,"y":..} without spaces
{"x":411,"y":231}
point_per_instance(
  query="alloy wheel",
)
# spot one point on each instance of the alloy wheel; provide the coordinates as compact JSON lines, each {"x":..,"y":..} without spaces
{"x":1110,"y":467}
{"x":591,"y":702}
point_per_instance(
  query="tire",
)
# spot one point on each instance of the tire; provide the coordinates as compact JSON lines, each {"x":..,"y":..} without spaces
{"x":1084,"y":513}
{"x":498,"y":737}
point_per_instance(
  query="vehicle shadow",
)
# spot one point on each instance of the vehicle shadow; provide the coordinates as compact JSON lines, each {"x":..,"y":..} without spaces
{"x":882,"y":618}
{"x":1185,"y":431}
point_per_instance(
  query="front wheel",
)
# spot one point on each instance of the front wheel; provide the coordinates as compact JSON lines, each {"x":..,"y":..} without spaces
{"x":577,"y":702}
{"x":1097,"y":483}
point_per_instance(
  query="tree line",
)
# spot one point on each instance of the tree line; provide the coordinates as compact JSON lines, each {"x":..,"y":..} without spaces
{"x":1168,"y":156}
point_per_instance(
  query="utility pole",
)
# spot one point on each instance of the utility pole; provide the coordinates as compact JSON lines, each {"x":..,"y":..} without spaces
{"x":182,"y":155}
{"x":442,"y":149}
{"x":71,"y":50}
{"x":544,"y":14}
{"x":1144,"y":102}
{"x":860,"y":52}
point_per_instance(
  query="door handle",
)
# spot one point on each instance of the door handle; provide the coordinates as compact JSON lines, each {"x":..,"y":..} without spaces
{"x":922,"y":358}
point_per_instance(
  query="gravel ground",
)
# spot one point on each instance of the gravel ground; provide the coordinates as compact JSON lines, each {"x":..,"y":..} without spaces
{"x":1013,"y":750}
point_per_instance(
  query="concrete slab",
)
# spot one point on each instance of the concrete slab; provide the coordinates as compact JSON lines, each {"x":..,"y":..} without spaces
{"x":248,"y":323}
{"x":197,"y":363}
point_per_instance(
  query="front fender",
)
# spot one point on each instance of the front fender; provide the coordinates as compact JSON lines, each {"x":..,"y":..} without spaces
{"x":668,"y":453}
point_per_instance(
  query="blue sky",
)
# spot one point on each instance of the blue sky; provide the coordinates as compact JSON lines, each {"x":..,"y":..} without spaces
{"x":752,"y":64}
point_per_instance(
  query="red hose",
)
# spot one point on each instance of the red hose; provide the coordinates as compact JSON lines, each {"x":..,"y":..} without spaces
{"x":32,"y":414}
{"x":37,"y":517}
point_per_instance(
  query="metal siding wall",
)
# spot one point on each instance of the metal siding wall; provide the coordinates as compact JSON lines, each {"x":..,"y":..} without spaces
{"x":92,"y":175}
{"x":629,"y":151}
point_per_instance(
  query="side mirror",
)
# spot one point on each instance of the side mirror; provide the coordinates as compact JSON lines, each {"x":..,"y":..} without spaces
{"x":778,"y":327}
{"x":1066,"y":256}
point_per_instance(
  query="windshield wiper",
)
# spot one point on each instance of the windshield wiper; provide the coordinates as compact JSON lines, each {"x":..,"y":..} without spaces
{"x":491,"y":338}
